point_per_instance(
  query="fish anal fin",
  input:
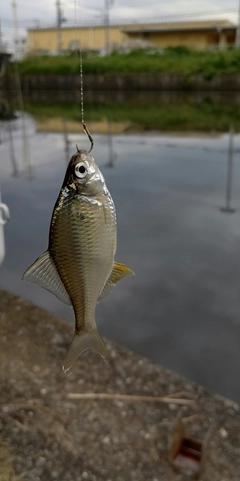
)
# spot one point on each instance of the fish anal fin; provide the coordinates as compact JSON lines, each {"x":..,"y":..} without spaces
{"x":44,"y":273}
{"x":119,"y":271}
{"x":87,"y":340}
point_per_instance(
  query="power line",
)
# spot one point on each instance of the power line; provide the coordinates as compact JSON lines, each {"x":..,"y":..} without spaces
{"x":182,"y":15}
{"x":121,"y":20}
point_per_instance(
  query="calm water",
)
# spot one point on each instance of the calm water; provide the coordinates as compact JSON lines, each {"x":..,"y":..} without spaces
{"x":183,"y":307}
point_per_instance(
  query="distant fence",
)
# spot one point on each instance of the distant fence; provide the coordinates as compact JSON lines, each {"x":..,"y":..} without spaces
{"x":126,"y":82}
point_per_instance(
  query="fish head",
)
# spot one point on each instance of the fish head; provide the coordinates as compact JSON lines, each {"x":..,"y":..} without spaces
{"x":84,"y":176}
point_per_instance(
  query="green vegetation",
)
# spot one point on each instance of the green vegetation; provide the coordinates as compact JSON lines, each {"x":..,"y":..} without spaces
{"x":183,"y":116}
{"x":179,"y":60}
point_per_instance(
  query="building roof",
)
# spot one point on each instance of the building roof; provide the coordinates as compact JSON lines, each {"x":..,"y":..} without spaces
{"x":178,"y":26}
{"x":158,"y":26}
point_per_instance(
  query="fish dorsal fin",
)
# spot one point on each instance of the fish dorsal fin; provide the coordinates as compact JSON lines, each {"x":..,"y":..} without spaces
{"x":44,"y":273}
{"x":118,"y":272}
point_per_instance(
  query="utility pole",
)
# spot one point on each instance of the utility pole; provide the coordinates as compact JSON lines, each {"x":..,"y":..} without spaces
{"x":237,"y":40}
{"x":26,"y":151}
{"x":59,"y":27}
{"x":16,"y":34}
{"x":108,"y":4}
{"x":1,"y":42}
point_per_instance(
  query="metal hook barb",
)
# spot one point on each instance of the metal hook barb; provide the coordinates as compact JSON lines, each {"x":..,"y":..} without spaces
{"x":89,"y":136}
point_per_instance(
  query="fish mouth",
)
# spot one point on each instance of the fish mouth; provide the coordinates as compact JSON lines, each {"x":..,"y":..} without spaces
{"x":94,"y":185}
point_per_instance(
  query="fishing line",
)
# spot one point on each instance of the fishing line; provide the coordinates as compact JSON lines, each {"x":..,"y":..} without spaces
{"x":81,"y":75}
{"x":81,"y":86}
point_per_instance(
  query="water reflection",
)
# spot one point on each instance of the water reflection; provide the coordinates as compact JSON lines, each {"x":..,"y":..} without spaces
{"x":228,"y":207}
{"x":132,"y":112}
{"x":142,"y":98}
{"x":182,"y":308}
{"x":112,"y":155}
{"x":68,"y":128}
{"x":7,"y":118}
{"x":15,"y":168}
{"x":12,"y":123}
{"x":27,"y":165}
{"x":66,"y":140}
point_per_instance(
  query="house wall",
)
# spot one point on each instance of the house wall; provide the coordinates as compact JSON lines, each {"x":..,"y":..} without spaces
{"x":89,"y":38}
{"x":93,"y":38}
{"x":200,"y":40}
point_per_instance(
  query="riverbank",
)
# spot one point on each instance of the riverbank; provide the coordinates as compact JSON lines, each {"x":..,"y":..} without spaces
{"x":172,"y":69}
{"x":226,"y":82}
{"x":134,"y":113}
{"x":54,"y":436}
{"x":180,"y":61}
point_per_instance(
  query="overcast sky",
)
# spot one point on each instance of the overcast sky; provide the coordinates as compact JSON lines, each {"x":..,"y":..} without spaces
{"x":43,"y":12}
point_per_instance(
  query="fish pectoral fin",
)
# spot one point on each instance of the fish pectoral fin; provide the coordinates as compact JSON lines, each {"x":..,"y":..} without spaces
{"x":88,"y":340}
{"x":118,"y":272}
{"x":44,"y":273}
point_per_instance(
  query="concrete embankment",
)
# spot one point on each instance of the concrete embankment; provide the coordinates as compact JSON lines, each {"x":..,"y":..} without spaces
{"x":126,"y":436}
{"x":127,"y":82}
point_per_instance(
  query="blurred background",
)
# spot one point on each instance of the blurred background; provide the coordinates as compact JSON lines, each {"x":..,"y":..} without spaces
{"x":161,"y":99}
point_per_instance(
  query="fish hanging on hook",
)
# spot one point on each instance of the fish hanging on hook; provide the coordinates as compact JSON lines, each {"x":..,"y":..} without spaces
{"x":79,"y":266}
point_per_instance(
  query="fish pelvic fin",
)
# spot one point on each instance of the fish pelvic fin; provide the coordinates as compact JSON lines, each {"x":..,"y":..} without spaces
{"x":88,"y":340}
{"x":119,"y":271}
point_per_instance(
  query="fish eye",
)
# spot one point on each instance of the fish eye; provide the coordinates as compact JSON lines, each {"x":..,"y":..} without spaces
{"x":81,"y":170}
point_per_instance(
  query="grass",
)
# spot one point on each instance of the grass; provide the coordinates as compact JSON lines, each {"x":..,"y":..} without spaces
{"x":204,"y":117}
{"x":179,"y":60}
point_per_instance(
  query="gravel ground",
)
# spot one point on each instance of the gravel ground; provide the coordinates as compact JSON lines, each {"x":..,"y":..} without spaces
{"x":53,"y":436}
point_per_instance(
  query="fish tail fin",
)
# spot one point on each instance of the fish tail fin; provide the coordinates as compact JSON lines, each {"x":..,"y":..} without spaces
{"x":82,"y":342}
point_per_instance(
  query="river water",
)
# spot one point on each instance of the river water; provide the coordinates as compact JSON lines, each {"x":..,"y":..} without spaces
{"x":182,"y":309}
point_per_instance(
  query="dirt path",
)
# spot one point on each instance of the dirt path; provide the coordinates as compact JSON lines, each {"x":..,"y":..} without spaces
{"x":53,"y":436}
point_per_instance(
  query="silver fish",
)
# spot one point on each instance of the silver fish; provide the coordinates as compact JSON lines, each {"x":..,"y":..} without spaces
{"x":79,"y":266}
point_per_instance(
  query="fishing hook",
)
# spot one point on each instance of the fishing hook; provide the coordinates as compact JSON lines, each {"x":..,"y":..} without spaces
{"x":89,"y":136}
